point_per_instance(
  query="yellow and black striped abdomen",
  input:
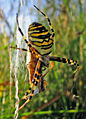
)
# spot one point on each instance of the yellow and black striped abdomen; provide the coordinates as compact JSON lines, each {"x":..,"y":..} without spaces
{"x":39,"y":38}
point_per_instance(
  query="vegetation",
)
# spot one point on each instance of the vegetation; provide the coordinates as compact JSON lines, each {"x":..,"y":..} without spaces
{"x":64,"y":96}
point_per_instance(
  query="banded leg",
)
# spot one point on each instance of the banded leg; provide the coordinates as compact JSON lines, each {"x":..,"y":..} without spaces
{"x":34,"y":84}
{"x":28,"y":98}
{"x":51,"y":66}
{"x":38,"y":77}
{"x":63,"y":60}
{"x":22,"y":49}
{"x":43,"y":82}
{"x":30,"y":47}
{"x":53,"y":34}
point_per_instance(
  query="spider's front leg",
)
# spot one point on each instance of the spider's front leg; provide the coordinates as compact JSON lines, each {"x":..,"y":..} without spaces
{"x":34,"y":84}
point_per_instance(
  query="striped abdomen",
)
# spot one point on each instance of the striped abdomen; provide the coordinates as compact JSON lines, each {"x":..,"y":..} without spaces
{"x":39,"y":38}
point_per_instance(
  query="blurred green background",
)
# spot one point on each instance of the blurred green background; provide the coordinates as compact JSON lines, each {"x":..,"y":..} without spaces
{"x":68,"y":18}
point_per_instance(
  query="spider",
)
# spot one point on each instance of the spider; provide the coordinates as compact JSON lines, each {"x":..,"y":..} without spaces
{"x":40,"y":42}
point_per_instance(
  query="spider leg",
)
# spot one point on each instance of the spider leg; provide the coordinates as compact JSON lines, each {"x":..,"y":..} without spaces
{"x":22,"y":49}
{"x":44,"y":83}
{"x":51,"y":66}
{"x":63,"y":60}
{"x":36,"y":76}
{"x":34,"y":84}
{"x":34,"y":87}
{"x":32,"y":63}
{"x":21,"y":31}
{"x":32,"y":50}
{"x":28,"y":98}
{"x":53,"y":33}
{"x":25,"y":97}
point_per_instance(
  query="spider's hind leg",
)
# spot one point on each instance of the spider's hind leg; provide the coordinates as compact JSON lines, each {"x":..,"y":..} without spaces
{"x":49,"y":22}
{"x":28,"y":96}
{"x":28,"y":99}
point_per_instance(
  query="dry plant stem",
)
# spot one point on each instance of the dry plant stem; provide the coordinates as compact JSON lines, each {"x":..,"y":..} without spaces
{"x":16,"y":86}
{"x":3,"y":18}
{"x":10,"y":90}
